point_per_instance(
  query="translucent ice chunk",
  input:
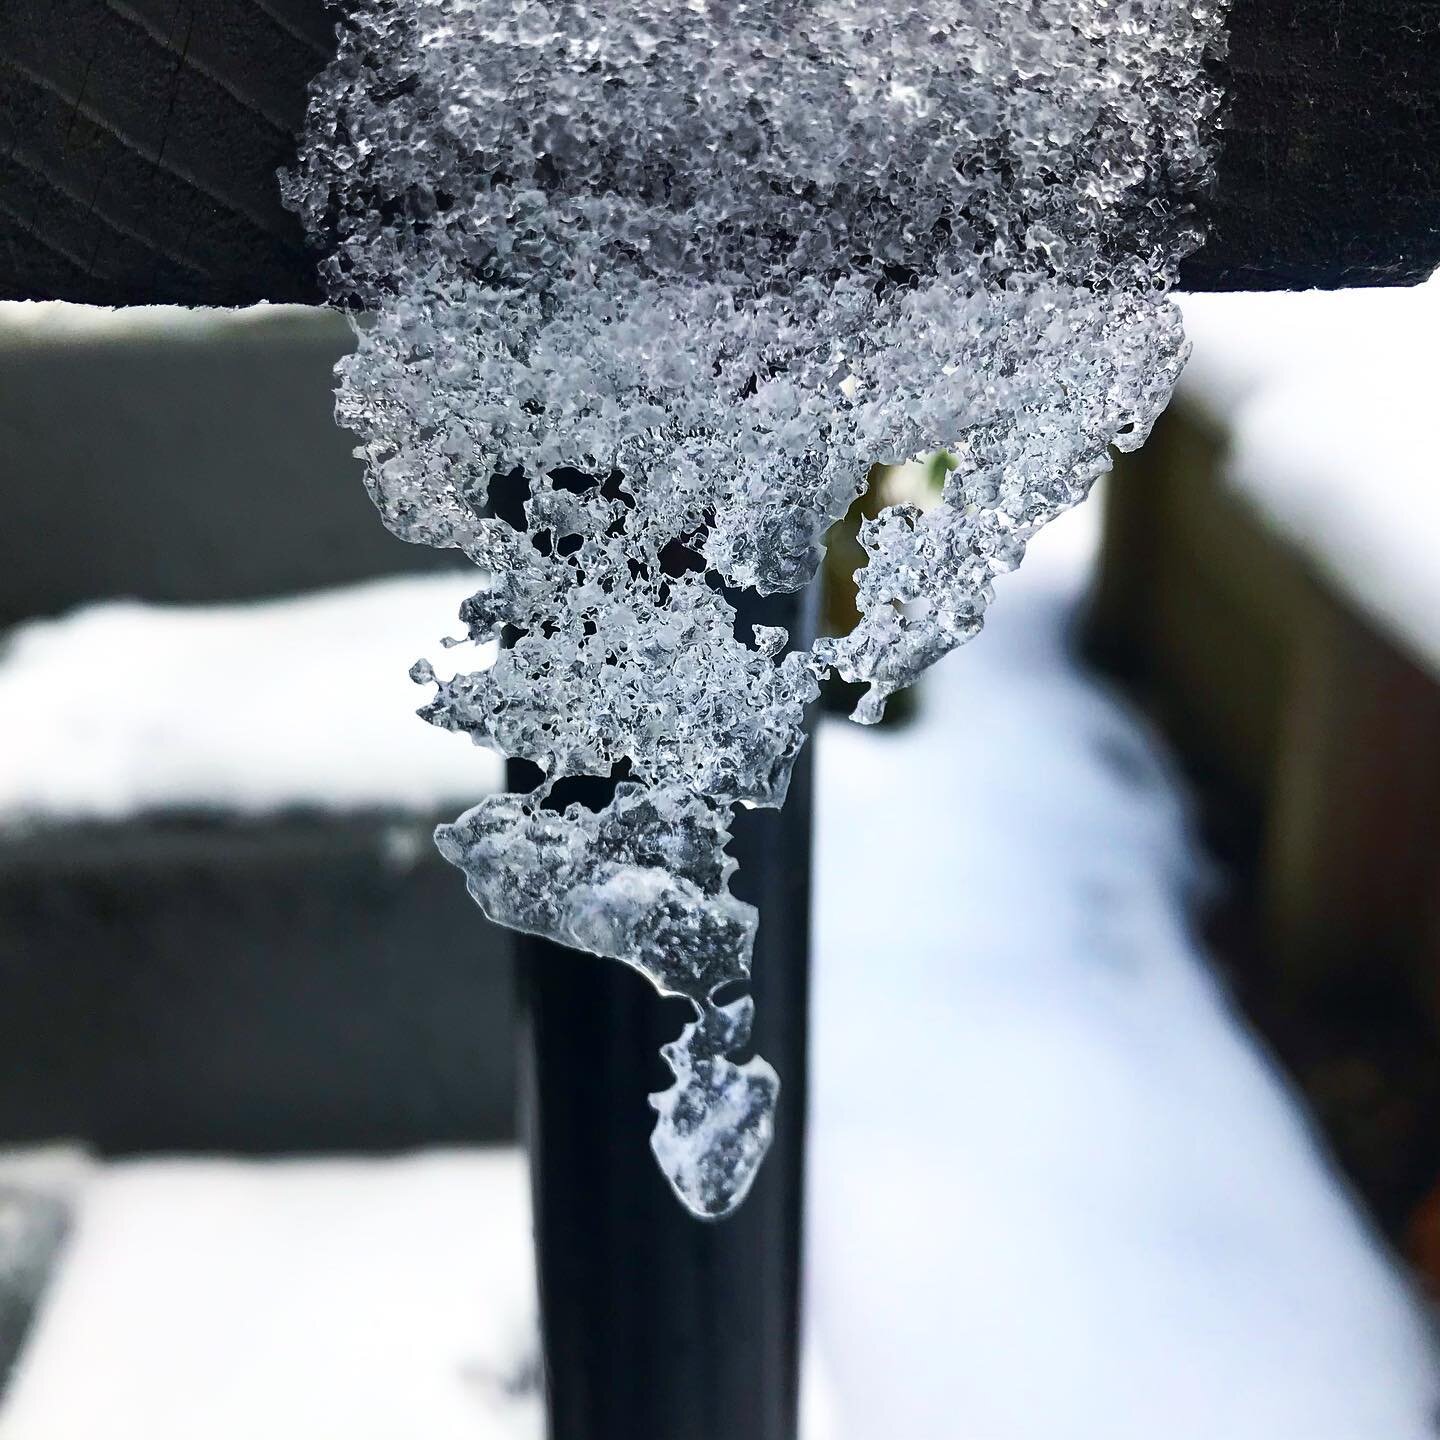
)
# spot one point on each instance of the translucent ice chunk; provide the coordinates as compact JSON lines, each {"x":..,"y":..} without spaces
{"x":645,"y":881}
{"x":686,"y":272}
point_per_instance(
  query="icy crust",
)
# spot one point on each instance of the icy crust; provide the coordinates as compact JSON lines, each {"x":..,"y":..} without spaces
{"x":644,"y":881}
{"x":686,"y":272}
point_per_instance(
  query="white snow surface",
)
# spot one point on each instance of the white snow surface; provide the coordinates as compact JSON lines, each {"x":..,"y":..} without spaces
{"x":123,"y":707}
{"x":31,"y":322}
{"x":1057,"y":1191}
{"x":1328,"y":400}
{"x":297,"y":1300}
{"x":310,"y":1299}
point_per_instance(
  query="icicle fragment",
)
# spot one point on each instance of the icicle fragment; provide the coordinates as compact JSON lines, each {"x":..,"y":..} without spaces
{"x":689,"y":271}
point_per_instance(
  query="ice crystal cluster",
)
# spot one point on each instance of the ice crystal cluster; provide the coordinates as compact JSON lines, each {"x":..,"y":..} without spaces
{"x":686,"y":270}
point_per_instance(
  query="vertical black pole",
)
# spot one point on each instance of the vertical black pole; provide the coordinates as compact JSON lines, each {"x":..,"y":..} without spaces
{"x":658,"y":1326}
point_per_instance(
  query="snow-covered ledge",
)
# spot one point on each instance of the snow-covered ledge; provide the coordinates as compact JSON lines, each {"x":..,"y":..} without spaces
{"x":1326,"y":401}
{"x":123,"y":708}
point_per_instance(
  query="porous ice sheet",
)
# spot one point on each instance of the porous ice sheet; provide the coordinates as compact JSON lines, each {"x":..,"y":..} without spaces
{"x":685,"y":273}
{"x":122,"y":707}
{"x":1326,"y":401}
{"x":1086,"y":1208}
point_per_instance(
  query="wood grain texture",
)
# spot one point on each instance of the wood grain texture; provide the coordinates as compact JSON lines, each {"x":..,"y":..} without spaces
{"x":139,"y":141}
{"x":1329,"y":167}
{"x":1312,"y":741}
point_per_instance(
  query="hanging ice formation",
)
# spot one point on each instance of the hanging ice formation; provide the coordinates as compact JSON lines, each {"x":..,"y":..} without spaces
{"x":690,"y":268}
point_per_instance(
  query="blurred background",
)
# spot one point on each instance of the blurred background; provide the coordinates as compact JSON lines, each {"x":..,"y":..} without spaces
{"x":1125,"y":1108}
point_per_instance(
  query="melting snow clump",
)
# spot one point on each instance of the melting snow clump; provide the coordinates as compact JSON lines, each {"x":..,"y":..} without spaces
{"x":685,"y":272}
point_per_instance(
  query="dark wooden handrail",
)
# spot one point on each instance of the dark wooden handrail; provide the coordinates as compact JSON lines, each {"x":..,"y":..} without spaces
{"x":139,"y":141}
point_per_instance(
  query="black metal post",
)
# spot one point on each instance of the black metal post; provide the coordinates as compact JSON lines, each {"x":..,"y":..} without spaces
{"x":658,"y":1326}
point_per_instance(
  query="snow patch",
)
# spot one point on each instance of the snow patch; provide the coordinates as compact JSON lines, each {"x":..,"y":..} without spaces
{"x":123,"y":708}
{"x":1327,"y":403}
